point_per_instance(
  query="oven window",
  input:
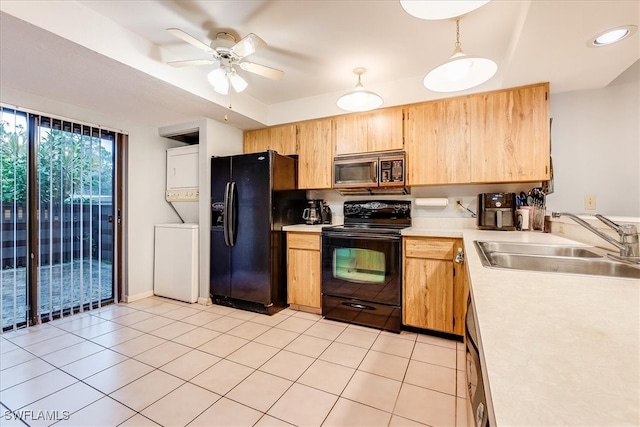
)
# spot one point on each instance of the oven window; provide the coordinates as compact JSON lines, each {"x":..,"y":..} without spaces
{"x":359,"y":265}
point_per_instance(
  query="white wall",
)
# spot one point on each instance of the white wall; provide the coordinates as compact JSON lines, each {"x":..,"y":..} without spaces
{"x":596,"y":148}
{"x":146,"y":169}
{"x":468,"y":194}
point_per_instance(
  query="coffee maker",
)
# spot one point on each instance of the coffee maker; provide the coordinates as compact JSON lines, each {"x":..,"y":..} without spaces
{"x":496,"y":211}
{"x":312,"y":214}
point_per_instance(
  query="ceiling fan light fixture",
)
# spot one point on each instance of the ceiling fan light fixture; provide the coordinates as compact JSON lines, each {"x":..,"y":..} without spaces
{"x":359,"y":99}
{"x":440,"y":9}
{"x":461,"y":71}
{"x":218,"y":79}
{"x":222,"y":77}
{"x":238,"y":83}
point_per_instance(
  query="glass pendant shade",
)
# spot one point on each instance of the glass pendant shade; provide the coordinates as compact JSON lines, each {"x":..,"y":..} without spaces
{"x":461,"y":71}
{"x":440,"y":9}
{"x":359,"y":99}
{"x":239,"y":84}
{"x":220,"y":78}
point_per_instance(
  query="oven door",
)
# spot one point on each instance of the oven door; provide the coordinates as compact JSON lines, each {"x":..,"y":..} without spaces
{"x":361,"y":279}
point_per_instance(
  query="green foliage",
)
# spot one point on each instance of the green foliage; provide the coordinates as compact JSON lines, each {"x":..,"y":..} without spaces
{"x":13,"y":163}
{"x":70,"y":166}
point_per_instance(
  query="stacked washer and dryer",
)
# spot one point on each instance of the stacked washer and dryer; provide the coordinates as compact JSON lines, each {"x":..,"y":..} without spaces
{"x":175,"y":273}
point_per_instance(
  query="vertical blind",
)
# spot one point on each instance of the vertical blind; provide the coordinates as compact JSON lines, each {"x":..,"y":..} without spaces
{"x":72,"y":228}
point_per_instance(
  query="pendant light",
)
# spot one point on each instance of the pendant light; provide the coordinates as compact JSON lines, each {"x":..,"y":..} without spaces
{"x":440,"y":9}
{"x":461,"y":71}
{"x":359,"y":99}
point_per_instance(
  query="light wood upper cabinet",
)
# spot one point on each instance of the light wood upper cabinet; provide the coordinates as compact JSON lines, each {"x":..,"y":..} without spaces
{"x":315,"y":154}
{"x":434,"y":285}
{"x":257,"y":141}
{"x":500,"y":136}
{"x":282,"y":139}
{"x":304,"y":270}
{"x":380,"y":130}
{"x":351,"y":134}
{"x":385,"y":130}
{"x":510,"y":135}
{"x":437,"y":142}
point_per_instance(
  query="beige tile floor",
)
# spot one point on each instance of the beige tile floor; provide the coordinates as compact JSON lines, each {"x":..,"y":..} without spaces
{"x":162,"y":362}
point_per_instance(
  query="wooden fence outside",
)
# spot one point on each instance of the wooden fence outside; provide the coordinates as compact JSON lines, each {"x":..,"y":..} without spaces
{"x":67,"y":231}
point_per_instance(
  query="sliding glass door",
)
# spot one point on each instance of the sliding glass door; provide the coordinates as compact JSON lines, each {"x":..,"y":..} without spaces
{"x":14,"y":307}
{"x":75,"y":227}
{"x":58,"y":208}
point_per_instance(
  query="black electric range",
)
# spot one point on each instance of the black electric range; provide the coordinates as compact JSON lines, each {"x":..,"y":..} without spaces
{"x":362,"y":264}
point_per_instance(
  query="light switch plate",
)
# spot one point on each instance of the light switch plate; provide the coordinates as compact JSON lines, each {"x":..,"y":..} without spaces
{"x":590,"y":203}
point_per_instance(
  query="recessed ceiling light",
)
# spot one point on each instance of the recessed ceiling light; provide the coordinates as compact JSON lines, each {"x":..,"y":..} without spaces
{"x":612,"y":36}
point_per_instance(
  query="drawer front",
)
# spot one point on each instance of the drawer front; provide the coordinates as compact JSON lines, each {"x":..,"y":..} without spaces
{"x":309,"y":241}
{"x":429,"y":248}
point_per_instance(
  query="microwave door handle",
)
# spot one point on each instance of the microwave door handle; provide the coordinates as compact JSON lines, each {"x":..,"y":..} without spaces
{"x":375,"y":172}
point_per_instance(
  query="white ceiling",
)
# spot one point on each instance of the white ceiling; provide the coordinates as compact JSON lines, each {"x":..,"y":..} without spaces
{"x":109,"y":56}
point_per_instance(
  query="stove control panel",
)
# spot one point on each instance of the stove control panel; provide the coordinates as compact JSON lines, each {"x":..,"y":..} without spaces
{"x":381,"y":210}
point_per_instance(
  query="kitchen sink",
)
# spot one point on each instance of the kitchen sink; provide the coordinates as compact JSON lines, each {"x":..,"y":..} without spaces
{"x":538,"y":249}
{"x":552,"y":259}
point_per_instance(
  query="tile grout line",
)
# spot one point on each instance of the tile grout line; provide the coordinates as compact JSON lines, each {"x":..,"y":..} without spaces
{"x":244,"y":321}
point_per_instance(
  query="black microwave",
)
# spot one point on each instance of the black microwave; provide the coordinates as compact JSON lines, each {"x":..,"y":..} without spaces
{"x":372,"y":173}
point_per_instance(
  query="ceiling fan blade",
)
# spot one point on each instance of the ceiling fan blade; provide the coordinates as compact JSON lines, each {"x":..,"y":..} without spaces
{"x":191,"y":62}
{"x":262,"y":70}
{"x":248,"y":45}
{"x":191,"y":40}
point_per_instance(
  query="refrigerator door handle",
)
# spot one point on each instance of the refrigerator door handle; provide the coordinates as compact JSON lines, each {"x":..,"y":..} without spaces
{"x":233,"y":214}
{"x":225,"y":215}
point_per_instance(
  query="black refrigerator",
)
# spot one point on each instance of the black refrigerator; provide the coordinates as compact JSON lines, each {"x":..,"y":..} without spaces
{"x":252,"y":197}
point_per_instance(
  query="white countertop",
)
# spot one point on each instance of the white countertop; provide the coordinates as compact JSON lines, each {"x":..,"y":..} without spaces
{"x":455,"y":233}
{"x":557,"y":349}
{"x":305,"y":228}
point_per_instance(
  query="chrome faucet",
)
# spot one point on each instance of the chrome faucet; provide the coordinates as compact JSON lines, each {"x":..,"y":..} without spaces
{"x":628,"y":233}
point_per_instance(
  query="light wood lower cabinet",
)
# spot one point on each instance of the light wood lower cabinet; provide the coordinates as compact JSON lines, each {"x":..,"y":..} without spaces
{"x":434,"y":285}
{"x":304,"y":271}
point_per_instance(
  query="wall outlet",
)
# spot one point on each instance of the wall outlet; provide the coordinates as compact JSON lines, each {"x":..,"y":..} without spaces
{"x":590,"y":203}
{"x":457,"y":204}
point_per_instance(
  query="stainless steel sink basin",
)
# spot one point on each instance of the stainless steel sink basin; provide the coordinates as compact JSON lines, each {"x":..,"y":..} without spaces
{"x":589,"y":266}
{"x":552,"y":259}
{"x":538,"y":249}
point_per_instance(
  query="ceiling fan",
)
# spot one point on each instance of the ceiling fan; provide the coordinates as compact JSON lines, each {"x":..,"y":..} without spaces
{"x":226,"y":52}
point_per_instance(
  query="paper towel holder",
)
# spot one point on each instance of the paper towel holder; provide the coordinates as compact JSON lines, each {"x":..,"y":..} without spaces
{"x":432,"y":202}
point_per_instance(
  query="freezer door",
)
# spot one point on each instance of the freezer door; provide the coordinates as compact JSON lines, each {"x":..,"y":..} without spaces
{"x":251,"y":254}
{"x":220,"y":255}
